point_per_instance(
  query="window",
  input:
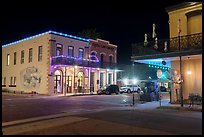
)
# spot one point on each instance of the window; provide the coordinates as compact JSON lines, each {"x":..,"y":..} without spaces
{"x":81,"y":53}
{"x":59,"y":50}
{"x":30,"y":55}
{"x":71,"y":51}
{"x":4,"y":80}
{"x":11,"y":81}
{"x":8,"y":59}
{"x":22,"y":56}
{"x":14,"y":62}
{"x":14,"y":81}
{"x":40,"y":53}
{"x":110,"y":59}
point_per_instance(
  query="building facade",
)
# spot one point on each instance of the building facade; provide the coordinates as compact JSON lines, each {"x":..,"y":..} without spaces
{"x":185,"y":21}
{"x":178,"y":58}
{"x":57,"y":63}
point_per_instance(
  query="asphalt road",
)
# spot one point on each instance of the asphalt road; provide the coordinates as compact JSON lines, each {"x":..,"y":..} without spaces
{"x":116,"y":122}
{"x":95,"y":115}
{"x":22,"y":107}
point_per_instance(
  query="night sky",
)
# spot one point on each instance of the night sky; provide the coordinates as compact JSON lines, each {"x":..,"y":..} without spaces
{"x":120,"y":22}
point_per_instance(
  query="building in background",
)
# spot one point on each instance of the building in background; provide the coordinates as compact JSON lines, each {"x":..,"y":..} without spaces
{"x":57,"y":63}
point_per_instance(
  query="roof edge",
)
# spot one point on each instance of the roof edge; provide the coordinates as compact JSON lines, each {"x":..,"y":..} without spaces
{"x":181,"y":5}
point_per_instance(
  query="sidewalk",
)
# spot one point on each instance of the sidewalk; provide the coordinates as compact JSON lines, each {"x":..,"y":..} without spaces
{"x":166,"y":105}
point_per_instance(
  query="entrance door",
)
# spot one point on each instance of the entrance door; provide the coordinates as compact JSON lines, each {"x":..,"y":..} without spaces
{"x":80,"y":81}
{"x":58,"y":82}
{"x":101,"y":79}
{"x":92,"y":82}
{"x":69,"y":84}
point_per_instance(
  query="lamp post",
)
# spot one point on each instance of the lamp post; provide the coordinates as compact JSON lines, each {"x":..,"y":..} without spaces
{"x":133,"y":70}
{"x":181,"y":92}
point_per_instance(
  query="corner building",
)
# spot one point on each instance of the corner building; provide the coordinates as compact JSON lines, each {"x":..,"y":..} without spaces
{"x":56,"y":63}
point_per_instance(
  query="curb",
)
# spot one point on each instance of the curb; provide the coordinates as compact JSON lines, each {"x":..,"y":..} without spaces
{"x":18,"y":122}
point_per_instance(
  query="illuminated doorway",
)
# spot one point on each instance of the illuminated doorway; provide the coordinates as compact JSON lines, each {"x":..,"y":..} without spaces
{"x":58,"y":82}
{"x":80,"y":81}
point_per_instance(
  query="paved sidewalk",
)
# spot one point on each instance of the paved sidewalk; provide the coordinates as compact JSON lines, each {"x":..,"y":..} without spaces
{"x":165,"y":104}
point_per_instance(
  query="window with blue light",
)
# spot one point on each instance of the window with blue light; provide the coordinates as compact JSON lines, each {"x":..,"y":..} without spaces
{"x":93,"y":56}
{"x":81,"y":53}
{"x":59,"y":50}
{"x":71,"y":51}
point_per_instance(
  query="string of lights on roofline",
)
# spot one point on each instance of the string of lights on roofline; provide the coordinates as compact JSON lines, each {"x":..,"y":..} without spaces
{"x":48,"y":32}
{"x":160,"y":67}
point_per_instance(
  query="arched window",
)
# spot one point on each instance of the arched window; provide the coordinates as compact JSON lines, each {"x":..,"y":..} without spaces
{"x":110,"y":59}
{"x":93,"y":56}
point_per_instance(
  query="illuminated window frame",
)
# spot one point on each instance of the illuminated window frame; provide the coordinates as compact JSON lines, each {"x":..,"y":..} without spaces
{"x":8,"y":59}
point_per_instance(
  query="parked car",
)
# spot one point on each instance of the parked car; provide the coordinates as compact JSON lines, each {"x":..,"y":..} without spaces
{"x":109,"y":89}
{"x":163,"y":89}
{"x":131,"y":88}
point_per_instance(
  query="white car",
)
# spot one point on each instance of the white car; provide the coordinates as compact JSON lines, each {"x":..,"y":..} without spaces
{"x":131,"y":88}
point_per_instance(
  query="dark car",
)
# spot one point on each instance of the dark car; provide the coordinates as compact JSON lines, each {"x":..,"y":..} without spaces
{"x":108,"y":89}
{"x":163,"y":89}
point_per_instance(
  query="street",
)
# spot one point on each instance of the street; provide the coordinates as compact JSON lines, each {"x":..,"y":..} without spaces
{"x":27,"y":107}
{"x":97,"y":115}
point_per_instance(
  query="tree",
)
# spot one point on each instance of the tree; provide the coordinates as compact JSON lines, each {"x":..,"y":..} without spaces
{"x":90,"y":33}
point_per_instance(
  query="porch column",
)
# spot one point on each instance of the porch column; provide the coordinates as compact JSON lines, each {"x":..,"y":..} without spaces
{"x":65,"y":82}
{"x":115,"y":77}
{"x":107,"y":76}
{"x":98,"y":84}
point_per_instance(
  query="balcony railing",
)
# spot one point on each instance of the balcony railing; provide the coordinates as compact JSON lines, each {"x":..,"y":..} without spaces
{"x":63,"y":60}
{"x":187,"y":42}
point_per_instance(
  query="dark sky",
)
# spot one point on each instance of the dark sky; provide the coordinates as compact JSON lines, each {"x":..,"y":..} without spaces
{"x":120,"y":22}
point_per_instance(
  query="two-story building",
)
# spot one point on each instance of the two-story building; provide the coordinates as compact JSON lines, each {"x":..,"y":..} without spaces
{"x":178,"y":59}
{"x":57,"y":63}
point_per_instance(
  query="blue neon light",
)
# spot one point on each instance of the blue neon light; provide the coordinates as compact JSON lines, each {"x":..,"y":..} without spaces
{"x":75,"y":58}
{"x":48,"y":32}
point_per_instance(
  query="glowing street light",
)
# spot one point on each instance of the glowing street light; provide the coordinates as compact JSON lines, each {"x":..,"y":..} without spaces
{"x":135,"y":81}
{"x":125,"y":81}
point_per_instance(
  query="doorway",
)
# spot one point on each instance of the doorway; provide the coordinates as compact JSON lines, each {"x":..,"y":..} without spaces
{"x":92,"y":82}
{"x":69,"y":84}
{"x":58,"y":82}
